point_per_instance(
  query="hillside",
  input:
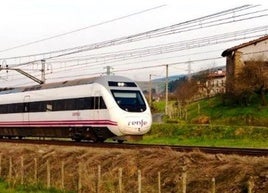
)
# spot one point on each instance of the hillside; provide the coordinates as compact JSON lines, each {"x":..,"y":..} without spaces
{"x":254,"y":114}
{"x":214,"y":112}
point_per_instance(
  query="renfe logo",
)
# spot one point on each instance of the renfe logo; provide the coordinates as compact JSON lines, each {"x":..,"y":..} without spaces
{"x":139,"y":123}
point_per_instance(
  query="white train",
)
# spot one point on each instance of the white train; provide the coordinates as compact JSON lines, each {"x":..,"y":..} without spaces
{"x":85,"y":109}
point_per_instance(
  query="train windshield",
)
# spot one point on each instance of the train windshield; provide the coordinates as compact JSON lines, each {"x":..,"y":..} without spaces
{"x":130,"y":101}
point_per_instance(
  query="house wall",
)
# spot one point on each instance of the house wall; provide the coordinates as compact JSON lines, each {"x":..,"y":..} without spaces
{"x":236,"y":61}
{"x":255,"y":51}
{"x":215,"y":84}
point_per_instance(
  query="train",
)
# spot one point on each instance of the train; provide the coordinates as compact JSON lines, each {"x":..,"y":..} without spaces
{"x":90,"y":109}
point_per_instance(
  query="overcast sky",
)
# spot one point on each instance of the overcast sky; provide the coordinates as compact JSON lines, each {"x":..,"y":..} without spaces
{"x":25,"y":21}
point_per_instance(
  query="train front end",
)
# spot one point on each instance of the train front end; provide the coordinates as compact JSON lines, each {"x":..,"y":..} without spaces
{"x":128,"y":107}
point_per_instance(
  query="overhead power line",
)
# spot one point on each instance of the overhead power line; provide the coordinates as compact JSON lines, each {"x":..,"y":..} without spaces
{"x":170,"y":47}
{"x":80,"y":29}
{"x":156,"y":49}
{"x":201,"y":22}
{"x":143,"y":67}
{"x":115,"y":57}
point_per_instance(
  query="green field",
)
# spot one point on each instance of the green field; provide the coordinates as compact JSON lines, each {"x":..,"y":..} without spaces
{"x":253,"y":115}
{"x":234,"y":126}
{"x":208,"y":135}
{"x":7,"y":188}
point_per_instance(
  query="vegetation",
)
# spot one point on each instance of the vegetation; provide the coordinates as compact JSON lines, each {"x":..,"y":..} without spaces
{"x":243,"y":103}
{"x":208,"y":135}
{"x":7,"y":188}
{"x":251,"y":80}
{"x":218,"y":113}
{"x":209,"y":122}
{"x":231,"y":172}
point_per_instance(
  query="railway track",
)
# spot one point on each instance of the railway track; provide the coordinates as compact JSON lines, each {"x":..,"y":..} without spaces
{"x":210,"y":150}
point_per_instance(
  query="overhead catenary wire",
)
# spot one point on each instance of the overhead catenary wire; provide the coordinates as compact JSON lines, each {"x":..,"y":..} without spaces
{"x":80,"y":29}
{"x":162,"y":49}
{"x":155,"y":50}
{"x":160,"y":65}
{"x":182,"y":45}
{"x":171,"y":47}
{"x":97,"y":73}
{"x":136,"y":68}
{"x":168,"y":30}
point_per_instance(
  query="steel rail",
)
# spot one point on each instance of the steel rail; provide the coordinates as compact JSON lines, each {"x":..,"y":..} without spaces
{"x":112,"y":145}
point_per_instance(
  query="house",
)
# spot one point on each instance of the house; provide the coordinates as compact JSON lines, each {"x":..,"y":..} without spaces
{"x":213,"y":83}
{"x":216,"y":82}
{"x":238,"y":56}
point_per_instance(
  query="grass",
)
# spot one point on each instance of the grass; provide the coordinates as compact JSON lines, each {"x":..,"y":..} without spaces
{"x":208,"y":135}
{"x":254,"y":114}
{"x":6,"y":188}
{"x":245,"y":143}
{"x":233,"y":126}
{"x":220,"y":114}
{"x":230,"y":171}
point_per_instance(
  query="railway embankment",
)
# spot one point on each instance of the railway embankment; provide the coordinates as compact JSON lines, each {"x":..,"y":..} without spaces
{"x":86,"y":169}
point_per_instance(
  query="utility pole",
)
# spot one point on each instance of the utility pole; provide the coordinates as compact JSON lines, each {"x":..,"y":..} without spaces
{"x":166,"y":107}
{"x":189,"y":71}
{"x":150,"y":89}
{"x":42,"y":81}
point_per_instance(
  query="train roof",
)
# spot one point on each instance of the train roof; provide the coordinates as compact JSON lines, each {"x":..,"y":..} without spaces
{"x":48,"y":85}
{"x":66,"y":83}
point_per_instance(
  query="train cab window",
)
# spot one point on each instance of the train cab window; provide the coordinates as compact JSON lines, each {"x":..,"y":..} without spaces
{"x":131,"y":101}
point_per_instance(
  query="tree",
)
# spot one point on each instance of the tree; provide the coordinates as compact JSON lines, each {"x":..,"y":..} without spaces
{"x":204,"y":80}
{"x":252,"y":79}
{"x":186,"y":91}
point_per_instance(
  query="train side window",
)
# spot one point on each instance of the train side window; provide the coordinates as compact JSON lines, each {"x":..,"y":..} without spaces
{"x":35,"y":107}
{"x":3,"y":109}
{"x":9,"y":108}
{"x":91,"y":102}
{"x":87,"y":103}
{"x":96,"y":103}
{"x":49,"y":107}
{"x":18,"y":108}
{"x":70,"y":104}
{"x":58,"y":105}
{"x":26,"y":107}
{"x":99,"y":103}
{"x":80,"y":103}
{"x":55,"y":105}
{"x":102,"y":104}
{"x":12,"y":108}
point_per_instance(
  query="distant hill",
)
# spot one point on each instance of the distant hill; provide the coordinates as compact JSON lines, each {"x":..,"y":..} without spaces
{"x":170,"y":78}
{"x":158,"y":84}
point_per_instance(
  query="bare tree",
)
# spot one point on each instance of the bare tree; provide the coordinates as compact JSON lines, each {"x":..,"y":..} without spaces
{"x":186,"y":91}
{"x":252,"y":79}
{"x":204,"y":81}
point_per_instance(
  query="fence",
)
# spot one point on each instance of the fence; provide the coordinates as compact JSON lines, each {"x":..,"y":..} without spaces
{"x":83,"y":179}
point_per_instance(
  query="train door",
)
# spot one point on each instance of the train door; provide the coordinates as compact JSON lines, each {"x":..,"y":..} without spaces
{"x":96,"y":102}
{"x":26,"y":109}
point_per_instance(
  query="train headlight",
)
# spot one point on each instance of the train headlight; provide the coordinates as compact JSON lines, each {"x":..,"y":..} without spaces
{"x":121,"y":84}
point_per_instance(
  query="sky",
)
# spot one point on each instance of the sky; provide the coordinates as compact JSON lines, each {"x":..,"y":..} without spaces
{"x":28,"y":30}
